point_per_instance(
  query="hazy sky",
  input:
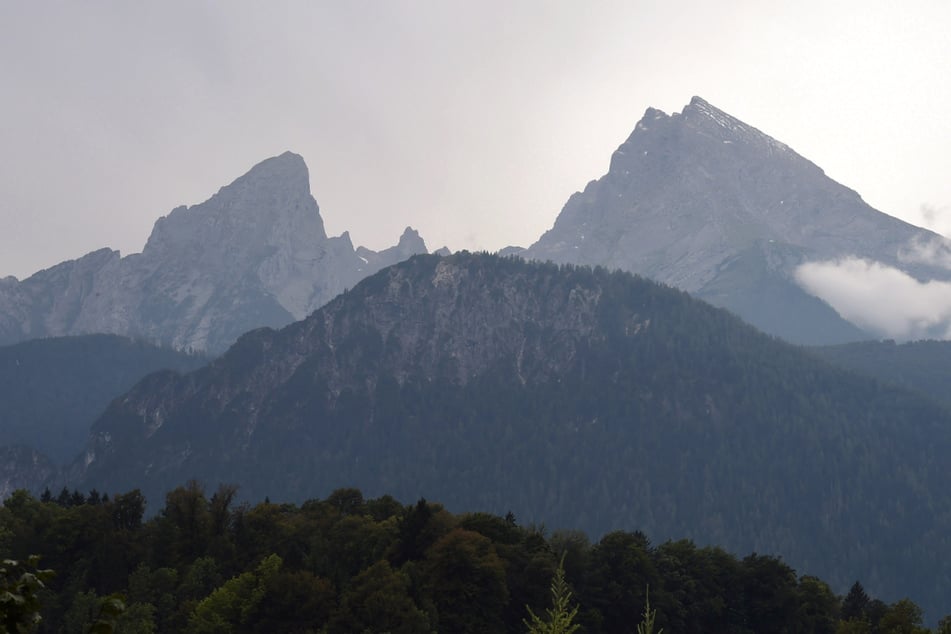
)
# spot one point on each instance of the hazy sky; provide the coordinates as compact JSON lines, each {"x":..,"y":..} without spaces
{"x":472,"y":122}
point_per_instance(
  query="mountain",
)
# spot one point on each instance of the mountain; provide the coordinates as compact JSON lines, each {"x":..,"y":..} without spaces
{"x":921,"y":366}
{"x":574,"y":397}
{"x":53,"y":389}
{"x":23,"y":468}
{"x":255,"y":254}
{"x":708,"y":204}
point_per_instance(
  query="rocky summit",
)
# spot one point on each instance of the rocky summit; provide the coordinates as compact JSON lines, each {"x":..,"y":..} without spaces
{"x":255,"y":254}
{"x":708,"y":204}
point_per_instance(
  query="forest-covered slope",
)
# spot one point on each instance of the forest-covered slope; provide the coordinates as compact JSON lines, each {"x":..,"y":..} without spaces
{"x":922,"y":366}
{"x":52,"y":390}
{"x":574,"y":397}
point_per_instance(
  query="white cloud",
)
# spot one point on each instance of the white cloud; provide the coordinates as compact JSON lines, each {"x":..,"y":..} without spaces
{"x":881,"y":298}
{"x":933,"y":252}
{"x":933,"y":217}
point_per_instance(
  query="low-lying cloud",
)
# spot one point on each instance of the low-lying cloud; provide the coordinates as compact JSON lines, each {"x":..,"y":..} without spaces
{"x":935,"y":251}
{"x":935,"y":217}
{"x":882,"y":299}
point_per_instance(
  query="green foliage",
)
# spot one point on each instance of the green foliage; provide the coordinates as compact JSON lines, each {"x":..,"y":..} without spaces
{"x":854,"y":626}
{"x":21,"y":584}
{"x":91,"y":614}
{"x":340,"y":565}
{"x":128,"y":509}
{"x":231,"y":607}
{"x":620,"y":568}
{"x":111,"y":609}
{"x":466,"y":579}
{"x":560,"y":617}
{"x":137,"y":618}
{"x":818,"y":606}
{"x":646,"y":626}
{"x":902,"y":617}
{"x":379,"y":600}
{"x":855,"y":604}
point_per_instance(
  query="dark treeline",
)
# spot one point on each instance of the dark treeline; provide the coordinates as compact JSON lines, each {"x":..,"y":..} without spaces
{"x":53,"y":389}
{"x":920,"y":366}
{"x":349,"y":564}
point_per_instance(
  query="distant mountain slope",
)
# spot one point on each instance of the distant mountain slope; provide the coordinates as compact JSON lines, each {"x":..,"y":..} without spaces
{"x":706,"y":203}
{"x":23,"y":468}
{"x":51,"y":390}
{"x":255,"y":254}
{"x":573,"y":397}
{"x":922,"y":366}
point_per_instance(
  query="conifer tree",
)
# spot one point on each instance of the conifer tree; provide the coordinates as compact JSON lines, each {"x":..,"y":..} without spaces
{"x":647,"y":625}
{"x":560,"y":617}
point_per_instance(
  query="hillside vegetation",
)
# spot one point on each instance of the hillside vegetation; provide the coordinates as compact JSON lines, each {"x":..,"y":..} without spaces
{"x":347,"y":564}
{"x":53,"y":389}
{"x":575,"y":397}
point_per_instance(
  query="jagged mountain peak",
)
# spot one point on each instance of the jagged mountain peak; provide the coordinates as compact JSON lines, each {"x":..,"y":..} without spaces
{"x":287,"y":169}
{"x":702,"y":113}
{"x":700,"y":116}
{"x":271,"y":202}
{"x":710,"y":204}
{"x":254,"y":254}
{"x":410,"y":239}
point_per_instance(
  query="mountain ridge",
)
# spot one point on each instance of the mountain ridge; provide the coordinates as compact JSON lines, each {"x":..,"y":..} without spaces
{"x":485,"y":381}
{"x":53,"y":389}
{"x":254,"y":254}
{"x":687,"y":193}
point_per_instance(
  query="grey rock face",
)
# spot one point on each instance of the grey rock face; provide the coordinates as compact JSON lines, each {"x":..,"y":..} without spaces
{"x":704,"y":202}
{"x":409,"y":244}
{"x":255,"y":254}
{"x":434,"y":319}
{"x":23,"y":468}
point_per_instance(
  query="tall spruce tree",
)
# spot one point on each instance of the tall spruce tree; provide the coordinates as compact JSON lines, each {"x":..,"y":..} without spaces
{"x":647,"y":625}
{"x":561,"y":615}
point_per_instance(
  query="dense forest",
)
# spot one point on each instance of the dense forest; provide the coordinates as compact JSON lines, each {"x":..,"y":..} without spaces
{"x":921,"y":366}
{"x":348,"y":564}
{"x":53,"y":389}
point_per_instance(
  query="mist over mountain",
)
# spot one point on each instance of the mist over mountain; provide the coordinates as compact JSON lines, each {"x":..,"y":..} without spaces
{"x":706,"y":203}
{"x":575,"y":397}
{"x":255,"y":254}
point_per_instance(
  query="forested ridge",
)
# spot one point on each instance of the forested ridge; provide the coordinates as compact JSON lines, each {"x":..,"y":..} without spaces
{"x":53,"y":389}
{"x":347,"y":564}
{"x":572,"y":396}
{"x":920,"y":366}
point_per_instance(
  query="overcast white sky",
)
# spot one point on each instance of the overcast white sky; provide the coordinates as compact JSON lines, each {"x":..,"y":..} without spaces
{"x":472,"y":122}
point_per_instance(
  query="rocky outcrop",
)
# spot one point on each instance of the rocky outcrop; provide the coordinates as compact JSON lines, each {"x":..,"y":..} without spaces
{"x":255,"y":254}
{"x":704,"y":202}
{"x":23,"y":468}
